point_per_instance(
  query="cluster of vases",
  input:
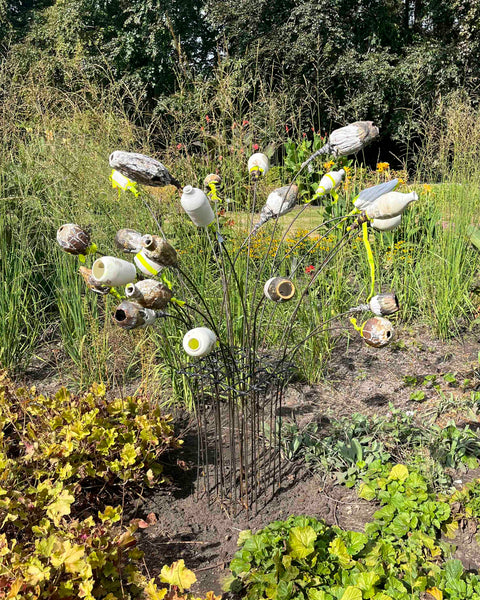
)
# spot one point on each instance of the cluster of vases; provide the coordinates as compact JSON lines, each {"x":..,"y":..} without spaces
{"x":145,"y":298}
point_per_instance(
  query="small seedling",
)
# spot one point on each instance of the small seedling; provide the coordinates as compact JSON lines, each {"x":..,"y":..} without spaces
{"x":450,"y":378}
{"x":417,"y":396}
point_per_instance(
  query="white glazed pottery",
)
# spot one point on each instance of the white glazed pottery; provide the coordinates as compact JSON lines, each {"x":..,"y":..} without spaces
{"x":279,"y":289}
{"x":258,"y":163}
{"x":330,"y":181}
{"x":390,"y":205}
{"x":199,"y":341}
{"x":113,"y":271}
{"x":195,"y":203}
{"x":387,"y":224}
{"x":145,"y":264}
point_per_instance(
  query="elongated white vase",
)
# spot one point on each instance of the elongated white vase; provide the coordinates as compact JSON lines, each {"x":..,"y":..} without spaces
{"x":113,"y":271}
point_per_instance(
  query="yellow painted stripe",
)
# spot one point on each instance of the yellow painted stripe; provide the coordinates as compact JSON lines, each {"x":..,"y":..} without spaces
{"x":357,"y":327}
{"x":144,"y":263}
{"x":331,"y":179}
{"x":371,"y":262}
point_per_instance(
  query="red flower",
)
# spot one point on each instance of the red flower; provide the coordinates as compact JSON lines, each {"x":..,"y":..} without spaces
{"x":304,"y":134}
{"x":245,"y":122}
{"x":286,"y":128}
{"x":179,"y":146}
{"x":207,"y":118}
{"x":255,"y":146}
{"x":309,"y":269}
{"x":220,"y":157}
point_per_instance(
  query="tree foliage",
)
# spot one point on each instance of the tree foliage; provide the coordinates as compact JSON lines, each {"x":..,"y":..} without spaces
{"x":352,"y":59}
{"x":145,"y":42}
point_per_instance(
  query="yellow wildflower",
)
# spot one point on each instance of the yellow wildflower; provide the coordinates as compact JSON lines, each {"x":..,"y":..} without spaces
{"x":48,"y":135}
{"x":328,"y":165}
{"x":383,"y":166}
{"x":427,"y":188}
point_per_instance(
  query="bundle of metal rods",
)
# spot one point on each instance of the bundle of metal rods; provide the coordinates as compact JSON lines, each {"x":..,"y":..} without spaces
{"x":238,"y":403}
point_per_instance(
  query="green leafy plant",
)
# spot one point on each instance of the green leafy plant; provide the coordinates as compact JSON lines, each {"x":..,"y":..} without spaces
{"x":86,"y":438}
{"x":399,"y":556}
{"x":417,"y":396}
{"x":60,"y":538}
{"x":296,"y":153}
{"x":349,"y":446}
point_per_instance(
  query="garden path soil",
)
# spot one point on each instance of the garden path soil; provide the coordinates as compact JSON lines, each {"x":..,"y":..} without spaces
{"x":359,"y":379}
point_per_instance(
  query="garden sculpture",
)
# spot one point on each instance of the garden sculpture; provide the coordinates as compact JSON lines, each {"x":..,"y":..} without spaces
{"x":258,"y":164}
{"x":236,"y":383}
{"x":195,"y":203}
{"x":279,"y":203}
{"x":129,"y":240}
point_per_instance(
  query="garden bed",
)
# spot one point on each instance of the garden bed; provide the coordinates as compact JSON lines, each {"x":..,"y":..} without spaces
{"x":361,"y":380}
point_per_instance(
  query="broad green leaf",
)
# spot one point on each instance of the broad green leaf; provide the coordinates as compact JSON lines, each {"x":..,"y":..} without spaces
{"x":301,"y":541}
{"x":240,"y":565}
{"x":153,"y":593}
{"x":400,"y":525}
{"x":355,"y":541}
{"x":338,"y":549}
{"x":45,"y":546}
{"x":73,"y":558}
{"x":314,"y":594}
{"x":37,"y":573}
{"x":366,"y":492}
{"x":284,"y":590}
{"x":60,"y":506}
{"x":110,"y":514}
{"x":366,"y":582}
{"x":177,"y":574}
{"x":129,"y":455}
{"x":352,"y":593}
{"x":451,"y":529}
{"x":243,"y":536}
{"x":453,"y":569}
{"x":85,"y":589}
{"x":398,"y":473}
{"x":458,"y":586}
